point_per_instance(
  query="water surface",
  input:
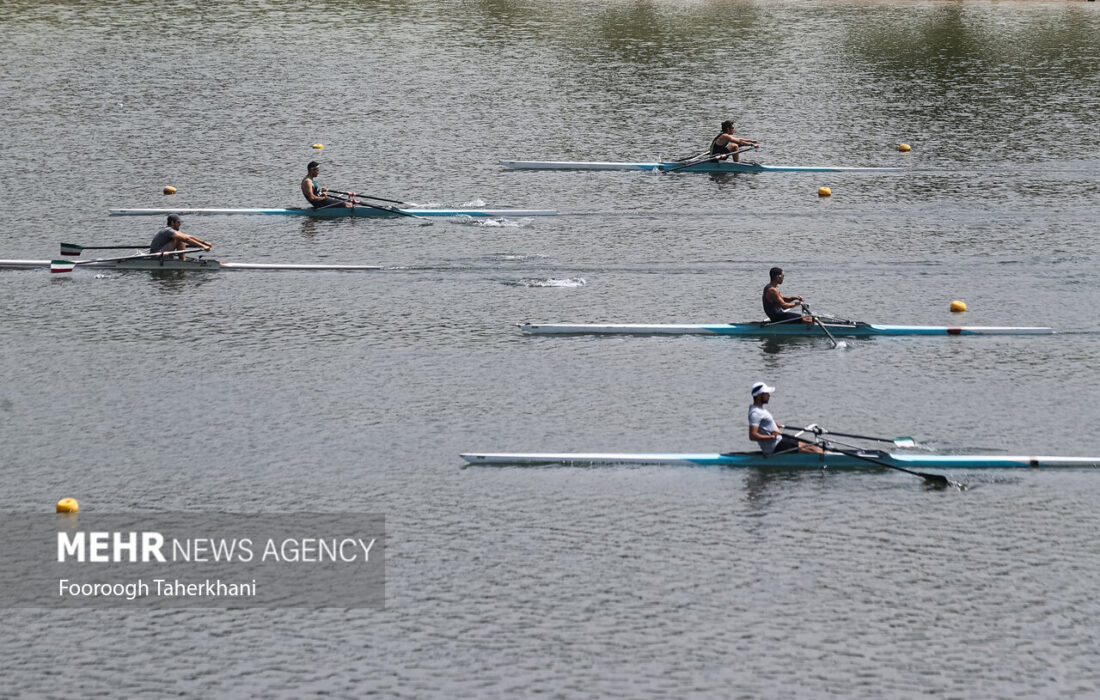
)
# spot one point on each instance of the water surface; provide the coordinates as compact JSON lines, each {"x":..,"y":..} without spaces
{"x":356,"y":392}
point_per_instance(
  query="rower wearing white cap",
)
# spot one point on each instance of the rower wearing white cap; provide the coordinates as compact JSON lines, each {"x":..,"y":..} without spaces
{"x":764,"y":430}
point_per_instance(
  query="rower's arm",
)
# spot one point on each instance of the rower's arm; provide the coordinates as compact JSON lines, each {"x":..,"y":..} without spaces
{"x":307,"y":190}
{"x":785,"y":302}
{"x":194,"y":241}
{"x":756,"y":435}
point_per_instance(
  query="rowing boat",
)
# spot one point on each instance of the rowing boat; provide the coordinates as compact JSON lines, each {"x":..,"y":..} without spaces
{"x":789,"y":460}
{"x":343,"y":212}
{"x":682,"y":167}
{"x":191,"y":264}
{"x":766,"y":329}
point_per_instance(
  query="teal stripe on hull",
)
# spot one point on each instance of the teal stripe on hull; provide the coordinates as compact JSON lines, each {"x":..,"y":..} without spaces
{"x":760,"y":329}
{"x":792,"y":460}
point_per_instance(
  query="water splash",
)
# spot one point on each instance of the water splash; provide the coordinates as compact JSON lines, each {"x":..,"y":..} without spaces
{"x":568,"y":282}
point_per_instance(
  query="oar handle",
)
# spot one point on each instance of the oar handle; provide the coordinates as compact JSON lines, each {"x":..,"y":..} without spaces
{"x":367,"y":196}
{"x":818,"y":430}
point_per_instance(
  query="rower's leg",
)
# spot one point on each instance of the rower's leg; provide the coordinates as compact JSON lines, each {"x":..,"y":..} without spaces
{"x":178,"y":244}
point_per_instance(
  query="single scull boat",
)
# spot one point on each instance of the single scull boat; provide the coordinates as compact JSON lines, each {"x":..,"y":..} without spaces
{"x":192,"y":264}
{"x":683,"y":167}
{"x":767,"y":328}
{"x":794,"y":459}
{"x":343,"y":212}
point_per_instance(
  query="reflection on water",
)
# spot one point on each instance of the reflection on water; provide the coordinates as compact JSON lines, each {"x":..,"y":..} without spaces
{"x":176,"y":282}
{"x":962,"y":63}
{"x":775,"y":345}
{"x":309,"y":227}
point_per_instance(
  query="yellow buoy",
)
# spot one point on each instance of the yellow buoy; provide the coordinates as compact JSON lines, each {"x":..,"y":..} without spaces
{"x":318,"y":146}
{"x":958,"y":306}
{"x":67,"y":505}
{"x":168,"y":189}
{"x":903,"y":147}
{"x":824,"y":192}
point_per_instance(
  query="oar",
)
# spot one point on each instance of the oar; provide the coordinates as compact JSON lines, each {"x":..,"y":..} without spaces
{"x":395,"y":210}
{"x":716,"y":156}
{"x":806,"y":310}
{"x":704,"y":154}
{"x":904,"y":441}
{"x":367,"y":196}
{"x":68,"y":265}
{"x":73,"y":249}
{"x":937,"y":479}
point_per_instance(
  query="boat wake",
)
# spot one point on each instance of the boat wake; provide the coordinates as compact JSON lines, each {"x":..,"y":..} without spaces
{"x":568,"y":282}
{"x":521,"y":257}
{"x":497,"y":222}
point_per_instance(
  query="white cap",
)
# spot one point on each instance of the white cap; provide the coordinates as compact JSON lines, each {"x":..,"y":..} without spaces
{"x":761,"y":388}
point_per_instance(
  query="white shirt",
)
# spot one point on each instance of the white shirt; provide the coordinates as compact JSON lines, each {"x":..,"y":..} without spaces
{"x":760,"y":416}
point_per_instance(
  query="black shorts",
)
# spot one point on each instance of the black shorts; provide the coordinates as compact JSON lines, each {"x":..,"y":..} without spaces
{"x":329,"y":202}
{"x":786,"y":444}
{"x":785,"y":316}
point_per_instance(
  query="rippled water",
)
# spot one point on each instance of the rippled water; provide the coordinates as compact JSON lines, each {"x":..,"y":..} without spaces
{"x":332,"y":392}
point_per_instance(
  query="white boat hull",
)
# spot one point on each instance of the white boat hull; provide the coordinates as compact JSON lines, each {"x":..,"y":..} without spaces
{"x":344,"y":212}
{"x":189,"y":265}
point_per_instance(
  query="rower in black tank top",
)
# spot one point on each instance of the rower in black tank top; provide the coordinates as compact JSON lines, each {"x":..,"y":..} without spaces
{"x":715,"y":149}
{"x":778,"y":307}
{"x":774,"y":311}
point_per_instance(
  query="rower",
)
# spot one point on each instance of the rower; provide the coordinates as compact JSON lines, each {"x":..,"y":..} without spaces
{"x":170,"y":238}
{"x":727,"y":143}
{"x":315,"y":194}
{"x":764,"y":430}
{"x":776,"y":305}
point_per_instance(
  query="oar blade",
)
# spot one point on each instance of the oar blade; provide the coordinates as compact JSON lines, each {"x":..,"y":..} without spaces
{"x":71,"y":249}
{"x":904,"y":442}
{"x":937,"y":479}
{"x":61,"y":266}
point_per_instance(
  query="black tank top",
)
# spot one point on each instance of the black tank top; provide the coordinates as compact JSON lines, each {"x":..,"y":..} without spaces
{"x":715,"y":149}
{"x":771,"y":309}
